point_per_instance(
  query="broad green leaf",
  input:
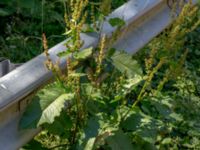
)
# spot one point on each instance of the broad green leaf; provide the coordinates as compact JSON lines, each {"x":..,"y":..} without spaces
{"x":94,"y":97}
{"x":132,"y":82}
{"x":91,"y":131}
{"x":126,"y":88}
{"x":46,"y":105}
{"x":91,"y":91}
{"x":133,"y":120}
{"x":147,"y":133}
{"x":119,"y":141}
{"x":61,"y":126}
{"x":83,"y":54}
{"x":125,"y":64}
{"x":96,"y":128}
{"x":116,"y":22}
{"x":141,"y":125}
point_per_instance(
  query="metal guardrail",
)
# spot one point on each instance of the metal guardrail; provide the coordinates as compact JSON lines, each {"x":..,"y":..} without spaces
{"x":144,"y":19}
{"x":6,"y":66}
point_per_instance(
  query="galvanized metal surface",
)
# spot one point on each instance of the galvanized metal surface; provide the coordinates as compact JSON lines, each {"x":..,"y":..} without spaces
{"x":144,"y":20}
{"x":6,"y":66}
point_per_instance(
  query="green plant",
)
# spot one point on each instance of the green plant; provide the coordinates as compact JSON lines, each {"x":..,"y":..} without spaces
{"x":102,"y":100}
{"x":168,"y":52}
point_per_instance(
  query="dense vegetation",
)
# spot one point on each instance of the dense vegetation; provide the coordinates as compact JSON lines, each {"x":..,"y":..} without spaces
{"x":107,"y":99}
{"x":22,"y":23}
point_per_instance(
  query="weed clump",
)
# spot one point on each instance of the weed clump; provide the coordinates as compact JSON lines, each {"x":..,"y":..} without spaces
{"x":104,"y":99}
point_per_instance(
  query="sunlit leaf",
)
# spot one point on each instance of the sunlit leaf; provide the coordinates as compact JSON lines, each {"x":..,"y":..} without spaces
{"x":46,"y":105}
{"x":126,"y":65}
{"x":64,"y":53}
{"x":83,"y":54}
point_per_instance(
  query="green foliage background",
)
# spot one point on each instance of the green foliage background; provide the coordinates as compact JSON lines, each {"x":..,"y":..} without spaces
{"x":22,"y":23}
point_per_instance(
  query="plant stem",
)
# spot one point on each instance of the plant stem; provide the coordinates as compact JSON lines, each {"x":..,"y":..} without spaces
{"x":148,"y":81}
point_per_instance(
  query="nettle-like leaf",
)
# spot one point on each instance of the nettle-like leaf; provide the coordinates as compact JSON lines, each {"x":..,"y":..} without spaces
{"x":126,"y":64}
{"x":119,"y":141}
{"x":91,"y":92}
{"x":102,"y":130}
{"x":161,"y":107}
{"x":141,"y":125}
{"x":46,"y":105}
{"x":61,"y":126}
{"x":117,"y":22}
{"x":126,"y":88}
{"x":90,"y":132}
{"x":98,"y":128}
{"x":109,"y":132}
{"x":130,"y":83}
{"x":83,"y":54}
